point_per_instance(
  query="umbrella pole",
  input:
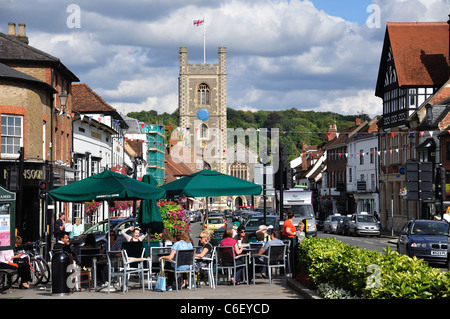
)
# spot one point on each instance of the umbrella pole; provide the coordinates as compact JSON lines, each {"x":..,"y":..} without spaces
{"x":109,"y":227}
{"x":207,"y":213}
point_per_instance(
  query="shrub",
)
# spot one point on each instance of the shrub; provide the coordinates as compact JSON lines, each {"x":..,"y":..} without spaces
{"x":370,"y":274}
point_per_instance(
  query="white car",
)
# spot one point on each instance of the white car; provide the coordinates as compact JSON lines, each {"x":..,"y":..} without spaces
{"x":364,"y":224}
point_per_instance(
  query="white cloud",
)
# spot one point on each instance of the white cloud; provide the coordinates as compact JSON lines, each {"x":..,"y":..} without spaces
{"x":353,"y":102}
{"x":166,"y":103}
{"x":281,"y":54}
{"x":76,"y":48}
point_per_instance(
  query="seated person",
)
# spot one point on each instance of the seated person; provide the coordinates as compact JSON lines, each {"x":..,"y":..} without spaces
{"x":241,"y":238}
{"x":63,"y":243}
{"x":137,"y":236}
{"x":229,"y":241}
{"x":206,"y":251}
{"x":274,"y":240}
{"x":183,"y":241}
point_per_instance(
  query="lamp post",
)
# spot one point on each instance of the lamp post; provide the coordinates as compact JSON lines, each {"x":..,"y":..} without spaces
{"x":63,"y":98}
{"x":49,"y":167}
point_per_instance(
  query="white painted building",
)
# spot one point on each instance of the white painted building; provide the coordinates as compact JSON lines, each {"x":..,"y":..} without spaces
{"x":362,"y":169}
{"x":98,"y":140}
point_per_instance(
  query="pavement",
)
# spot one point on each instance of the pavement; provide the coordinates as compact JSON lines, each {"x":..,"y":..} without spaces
{"x":281,"y":288}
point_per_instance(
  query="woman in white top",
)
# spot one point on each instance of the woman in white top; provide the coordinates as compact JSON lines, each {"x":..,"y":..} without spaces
{"x":136,"y":236}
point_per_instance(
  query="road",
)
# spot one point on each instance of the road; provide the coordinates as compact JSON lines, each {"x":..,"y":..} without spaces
{"x":366,"y":242}
{"x":371,"y":243}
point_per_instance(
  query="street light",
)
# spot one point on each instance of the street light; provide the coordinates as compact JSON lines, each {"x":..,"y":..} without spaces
{"x":63,"y":98}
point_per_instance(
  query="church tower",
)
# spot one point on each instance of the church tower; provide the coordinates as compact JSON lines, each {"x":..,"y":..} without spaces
{"x":202,"y":102}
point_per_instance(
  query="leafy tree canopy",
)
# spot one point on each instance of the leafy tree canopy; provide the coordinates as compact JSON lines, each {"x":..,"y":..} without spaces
{"x":296,"y":126}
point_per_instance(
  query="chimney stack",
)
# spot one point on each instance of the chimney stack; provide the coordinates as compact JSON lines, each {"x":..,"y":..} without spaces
{"x":331,"y":132}
{"x":11,"y":28}
{"x":20,"y":35}
{"x":358,"y":121}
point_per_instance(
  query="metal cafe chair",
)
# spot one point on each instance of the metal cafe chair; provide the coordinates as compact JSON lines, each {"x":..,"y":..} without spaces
{"x":209,"y":268}
{"x":226,"y":260}
{"x":275,"y":258}
{"x":183,"y":263}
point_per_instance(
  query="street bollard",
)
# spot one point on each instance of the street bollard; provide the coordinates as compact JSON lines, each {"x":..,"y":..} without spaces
{"x":60,"y":264}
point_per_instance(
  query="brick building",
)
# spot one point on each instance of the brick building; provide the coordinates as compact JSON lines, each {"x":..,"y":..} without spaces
{"x":33,"y":120}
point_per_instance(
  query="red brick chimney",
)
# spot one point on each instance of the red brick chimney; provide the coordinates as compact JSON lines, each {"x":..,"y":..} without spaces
{"x":358,"y":121}
{"x":331,"y":131}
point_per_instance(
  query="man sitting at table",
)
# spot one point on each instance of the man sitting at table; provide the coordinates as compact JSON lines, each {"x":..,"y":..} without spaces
{"x":274,"y":240}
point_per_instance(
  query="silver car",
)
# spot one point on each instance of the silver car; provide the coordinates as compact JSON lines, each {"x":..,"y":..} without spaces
{"x":364,"y":224}
{"x":330,"y":224}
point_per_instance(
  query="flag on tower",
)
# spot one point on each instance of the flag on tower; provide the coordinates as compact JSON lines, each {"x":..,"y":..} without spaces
{"x":197,"y":23}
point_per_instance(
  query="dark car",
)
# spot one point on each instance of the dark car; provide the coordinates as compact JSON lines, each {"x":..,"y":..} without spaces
{"x":330,"y":224}
{"x":245,"y":216}
{"x":237,"y":215}
{"x":255,"y":221}
{"x":101,"y":229}
{"x":426,"y":239}
{"x":343,"y":226}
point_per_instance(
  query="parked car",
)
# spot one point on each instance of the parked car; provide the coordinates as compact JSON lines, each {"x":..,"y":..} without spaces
{"x":216,"y":213}
{"x":253,"y":223}
{"x":228,"y":213}
{"x":269,"y":211}
{"x":246,"y":216}
{"x":426,"y":239}
{"x":213,"y":223}
{"x":237,"y":215}
{"x":343,"y":226}
{"x":198,"y":216}
{"x":192,"y":218}
{"x":330,"y":224}
{"x":101,"y":229}
{"x":364,"y":223}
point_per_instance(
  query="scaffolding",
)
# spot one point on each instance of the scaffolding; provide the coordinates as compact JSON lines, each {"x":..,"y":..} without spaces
{"x":155,"y":151}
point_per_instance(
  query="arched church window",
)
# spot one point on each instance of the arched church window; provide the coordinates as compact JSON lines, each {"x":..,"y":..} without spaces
{"x":203,"y":94}
{"x":204,"y":131}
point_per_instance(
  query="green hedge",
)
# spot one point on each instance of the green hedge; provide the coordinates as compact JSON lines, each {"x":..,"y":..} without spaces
{"x":369,"y":274}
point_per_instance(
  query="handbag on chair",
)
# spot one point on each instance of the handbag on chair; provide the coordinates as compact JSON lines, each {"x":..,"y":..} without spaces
{"x":161,"y":281}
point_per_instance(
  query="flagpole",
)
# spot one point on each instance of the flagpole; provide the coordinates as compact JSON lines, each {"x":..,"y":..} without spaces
{"x":204,"y":42}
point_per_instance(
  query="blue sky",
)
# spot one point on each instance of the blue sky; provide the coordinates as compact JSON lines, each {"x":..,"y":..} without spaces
{"x":351,"y":10}
{"x":309,"y":54}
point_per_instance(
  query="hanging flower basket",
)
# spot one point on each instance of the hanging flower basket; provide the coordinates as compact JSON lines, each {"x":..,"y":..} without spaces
{"x":404,"y":192}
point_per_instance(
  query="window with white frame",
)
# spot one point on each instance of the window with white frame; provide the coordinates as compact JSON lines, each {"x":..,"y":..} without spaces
{"x":12,"y":134}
